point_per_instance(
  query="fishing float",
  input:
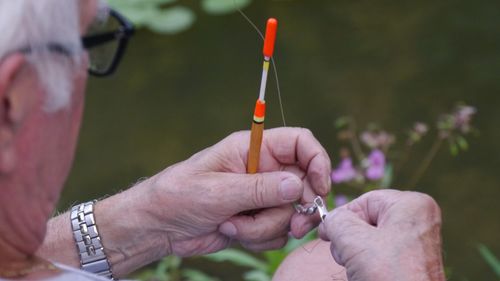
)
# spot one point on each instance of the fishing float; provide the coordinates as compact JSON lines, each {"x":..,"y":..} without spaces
{"x":259,"y":115}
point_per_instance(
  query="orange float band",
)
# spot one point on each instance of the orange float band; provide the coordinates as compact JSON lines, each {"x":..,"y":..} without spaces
{"x":270,"y":38}
{"x":260,"y":111}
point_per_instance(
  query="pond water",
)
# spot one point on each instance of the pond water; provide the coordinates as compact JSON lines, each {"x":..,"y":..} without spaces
{"x":390,"y":62}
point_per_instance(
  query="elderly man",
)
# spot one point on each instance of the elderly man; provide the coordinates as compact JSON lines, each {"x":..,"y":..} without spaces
{"x":191,"y":208}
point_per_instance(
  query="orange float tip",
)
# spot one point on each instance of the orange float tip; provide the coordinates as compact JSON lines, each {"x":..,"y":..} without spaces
{"x":260,"y":109}
{"x":270,"y":38}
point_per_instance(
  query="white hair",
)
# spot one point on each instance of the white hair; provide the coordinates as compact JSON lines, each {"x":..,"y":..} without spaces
{"x":34,"y":25}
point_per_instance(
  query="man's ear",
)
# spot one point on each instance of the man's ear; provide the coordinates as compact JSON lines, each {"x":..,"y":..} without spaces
{"x":10,"y":68}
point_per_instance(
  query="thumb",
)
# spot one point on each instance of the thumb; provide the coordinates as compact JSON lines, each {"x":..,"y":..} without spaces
{"x":263,"y":190}
{"x":342,"y":225}
{"x":347,"y":231}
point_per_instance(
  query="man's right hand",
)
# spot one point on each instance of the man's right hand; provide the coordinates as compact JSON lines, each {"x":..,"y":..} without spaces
{"x":387,"y":235}
{"x":194,"y":207}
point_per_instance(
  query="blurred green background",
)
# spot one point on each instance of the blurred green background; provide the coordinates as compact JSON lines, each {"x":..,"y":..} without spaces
{"x":390,"y":62}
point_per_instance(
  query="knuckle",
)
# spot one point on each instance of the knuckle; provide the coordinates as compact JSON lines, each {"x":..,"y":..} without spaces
{"x":306,"y":132}
{"x":424,"y":201}
{"x":236,"y":135}
{"x":430,"y":204}
{"x":259,"y":193}
{"x":232,"y":135}
{"x":425,"y":204}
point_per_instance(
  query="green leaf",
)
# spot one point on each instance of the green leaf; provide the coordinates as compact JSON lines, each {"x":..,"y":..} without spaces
{"x":256,"y":275}
{"x":166,"y":265}
{"x":453,"y":149}
{"x":462,"y":143}
{"x":137,"y":14}
{"x":488,"y":256}
{"x":448,"y":272}
{"x":145,"y":274}
{"x":196,"y":275}
{"x":341,"y":122}
{"x":138,"y":3}
{"x":274,"y":259}
{"x":171,"y":21}
{"x":387,"y":179}
{"x":238,"y":257}
{"x":150,"y":13}
{"x":295,"y":243}
{"x":220,"y":7}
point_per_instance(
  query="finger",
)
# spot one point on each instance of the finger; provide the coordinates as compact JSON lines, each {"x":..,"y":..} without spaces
{"x":335,"y":254}
{"x":343,"y":226}
{"x":302,"y":224}
{"x":265,"y":225}
{"x":243,"y":192}
{"x":294,"y":169}
{"x":322,"y":232}
{"x":274,"y":244}
{"x":372,"y":205}
{"x":309,"y":193}
{"x":298,"y":146}
{"x":288,"y":146}
{"x":347,"y":233}
{"x":390,"y":207}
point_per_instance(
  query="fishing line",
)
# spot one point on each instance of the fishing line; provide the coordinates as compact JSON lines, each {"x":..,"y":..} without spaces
{"x":275,"y":71}
{"x":273,"y":62}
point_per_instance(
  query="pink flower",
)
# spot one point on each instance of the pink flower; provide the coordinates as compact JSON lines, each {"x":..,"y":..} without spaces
{"x":463,"y":117}
{"x":341,"y":200}
{"x":345,"y":171}
{"x":376,"y":165}
{"x":417,"y":133}
{"x":420,"y":128}
{"x":380,"y":139}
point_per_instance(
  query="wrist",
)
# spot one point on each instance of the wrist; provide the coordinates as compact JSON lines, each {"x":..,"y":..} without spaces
{"x":129,"y":235}
{"x":411,"y":261}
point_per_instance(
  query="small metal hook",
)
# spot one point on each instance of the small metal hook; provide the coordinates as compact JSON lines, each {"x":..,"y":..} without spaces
{"x":320,"y":205}
{"x":305,"y":210}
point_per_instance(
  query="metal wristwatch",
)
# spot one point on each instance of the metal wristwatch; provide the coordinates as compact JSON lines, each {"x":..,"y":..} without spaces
{"x":88,"y":242}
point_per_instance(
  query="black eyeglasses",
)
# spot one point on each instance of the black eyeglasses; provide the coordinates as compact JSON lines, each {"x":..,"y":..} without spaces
{"x":106,"y":44}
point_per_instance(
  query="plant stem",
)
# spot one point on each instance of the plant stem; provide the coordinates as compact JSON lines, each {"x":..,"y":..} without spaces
{"x":356,"y":146}
{"x":403,"y":160}
{"x":425,"y":163}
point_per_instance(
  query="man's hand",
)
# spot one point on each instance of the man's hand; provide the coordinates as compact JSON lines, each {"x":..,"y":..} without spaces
{"x":198,"y":202}
{"x":387,"y":235}
{"x":194,"y":207}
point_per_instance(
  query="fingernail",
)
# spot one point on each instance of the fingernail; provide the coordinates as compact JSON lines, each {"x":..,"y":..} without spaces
{"x":290,"y":189}
{"x":328,"y":184}
{"x":228,"y":229}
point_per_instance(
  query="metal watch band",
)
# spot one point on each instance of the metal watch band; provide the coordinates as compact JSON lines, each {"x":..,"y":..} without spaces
{"x":88,"y":243}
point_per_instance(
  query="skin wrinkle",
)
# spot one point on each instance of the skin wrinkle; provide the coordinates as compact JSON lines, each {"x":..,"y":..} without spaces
{"x":26,"y":231}
{"x":259,"y":193}
{"x":133,"y":251}
{"x":268,"y":245}
{"x":340,"y":272}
